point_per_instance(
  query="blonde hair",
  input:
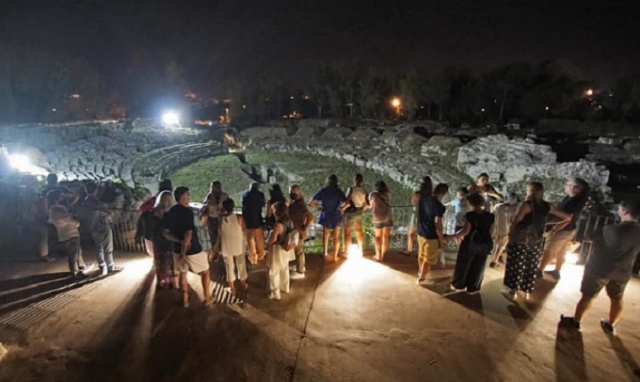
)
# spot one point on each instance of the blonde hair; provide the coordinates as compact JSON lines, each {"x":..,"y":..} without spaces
{"x":164,"y":200}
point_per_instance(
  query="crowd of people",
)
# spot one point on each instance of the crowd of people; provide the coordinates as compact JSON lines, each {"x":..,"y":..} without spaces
{"x":531,"y":234}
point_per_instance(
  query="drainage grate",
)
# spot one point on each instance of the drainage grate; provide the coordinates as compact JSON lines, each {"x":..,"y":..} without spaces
{"x":220,"y":293}
{"x":55,"y":303}
{"x":24,"y":318}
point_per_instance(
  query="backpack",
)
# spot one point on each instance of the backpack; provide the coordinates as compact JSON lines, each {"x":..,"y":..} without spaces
{"x":480,"y":241}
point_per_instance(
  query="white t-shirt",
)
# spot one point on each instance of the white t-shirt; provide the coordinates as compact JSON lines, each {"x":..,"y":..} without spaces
{"x":358,"y":196}
{"x":66,"y":225}
{"x":231,"y":236}
{"x":504,"y":213}
{"x":213,"y":206}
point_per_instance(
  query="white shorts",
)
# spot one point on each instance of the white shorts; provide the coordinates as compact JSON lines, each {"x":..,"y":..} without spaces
{"x":197,"y":263}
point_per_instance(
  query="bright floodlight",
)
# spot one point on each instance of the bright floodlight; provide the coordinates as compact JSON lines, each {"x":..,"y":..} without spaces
{"x":354,"y":251}
{"x":395,"y":102}
{"x":23,"y":164}
{"x":170,"y":119}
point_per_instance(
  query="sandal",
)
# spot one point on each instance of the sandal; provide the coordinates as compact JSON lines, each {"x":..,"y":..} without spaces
{"x":406,"y":253}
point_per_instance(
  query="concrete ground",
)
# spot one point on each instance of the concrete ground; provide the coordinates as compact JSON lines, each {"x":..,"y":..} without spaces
{"x":357,"y":320}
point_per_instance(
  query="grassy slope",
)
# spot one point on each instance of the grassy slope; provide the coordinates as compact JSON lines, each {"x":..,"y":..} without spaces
{"x":314,"y":169}
{"x":198,"y":176}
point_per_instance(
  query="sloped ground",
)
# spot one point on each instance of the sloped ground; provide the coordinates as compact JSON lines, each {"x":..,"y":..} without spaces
{"x":354,"y":321}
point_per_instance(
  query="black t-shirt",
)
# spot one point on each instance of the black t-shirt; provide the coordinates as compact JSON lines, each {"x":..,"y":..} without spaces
{"x":574,"y":206}
{"x":252,"y":204}
{"x":178,"y":220}
{"x":616,"y":248}
{"x":480,"y":220}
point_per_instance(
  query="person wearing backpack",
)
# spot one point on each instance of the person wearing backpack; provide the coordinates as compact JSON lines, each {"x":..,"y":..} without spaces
{"x":475,"y":247}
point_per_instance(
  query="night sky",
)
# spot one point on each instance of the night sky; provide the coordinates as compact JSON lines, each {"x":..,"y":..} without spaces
{"x":218,"y":41}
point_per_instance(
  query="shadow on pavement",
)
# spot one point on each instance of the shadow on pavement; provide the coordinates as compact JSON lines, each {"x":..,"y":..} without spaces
{"x":569,"y":356}
{"x":626,"y":359}
{"x":45,"y":290}
{"x":9,"y":284}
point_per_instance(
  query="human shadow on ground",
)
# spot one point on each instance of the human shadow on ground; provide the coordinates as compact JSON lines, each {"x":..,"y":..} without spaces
{"x":22,"y":298}
{"x":409,"y":265}
{"x":9,"y":284}
{"x":569,"y":355}
{"x":629,"y":363}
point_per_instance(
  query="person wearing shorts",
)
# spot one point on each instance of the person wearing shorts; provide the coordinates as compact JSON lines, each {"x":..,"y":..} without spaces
{"x":328,"y":201}
{"x":382,"y":218}
{"x":357,"y":202}
{"x":430,"y":230}
{"x":609,"y":267}
{"x":179,"y":228}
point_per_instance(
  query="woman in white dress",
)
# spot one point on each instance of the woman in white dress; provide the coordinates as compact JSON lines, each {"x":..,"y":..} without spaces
{"x":232,"y":232}
{"x":281,"y":245}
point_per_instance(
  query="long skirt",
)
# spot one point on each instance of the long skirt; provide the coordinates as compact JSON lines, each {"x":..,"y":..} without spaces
{"x":163,"y":261}
{"x":522,"y":263}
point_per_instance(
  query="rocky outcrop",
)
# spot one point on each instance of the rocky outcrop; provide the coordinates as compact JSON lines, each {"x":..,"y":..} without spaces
{"x":406,"y":153}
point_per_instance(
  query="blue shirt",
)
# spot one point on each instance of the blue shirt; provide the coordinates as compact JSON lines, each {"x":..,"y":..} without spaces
{"x":428,"y":209}
{"x":330,"y":198}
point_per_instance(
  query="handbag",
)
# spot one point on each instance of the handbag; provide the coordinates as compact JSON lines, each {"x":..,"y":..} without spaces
{"x":528,"y":235}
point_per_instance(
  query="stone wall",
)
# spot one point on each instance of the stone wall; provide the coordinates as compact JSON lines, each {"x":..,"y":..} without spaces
{"x":406,"y":152}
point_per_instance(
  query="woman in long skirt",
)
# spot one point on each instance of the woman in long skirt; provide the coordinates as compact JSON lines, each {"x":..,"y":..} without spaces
{"x":162,"y":248}
{"x":525,"y":240}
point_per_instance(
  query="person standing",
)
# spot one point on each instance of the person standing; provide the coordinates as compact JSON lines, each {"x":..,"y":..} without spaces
{"x":180,"y":228}
{"x":99,"y":220}
{"x":413,"y":223}
{"x":504,"y":212}
{"x":525,"y":240}
{"x":68,"y":234}
{"x":328,"y":201}
{"x":212,"y":207}
{"x":282,"y":242}
{"x":232,"y":238}
{"x":460,"y":209}
{"x":275,"y":196}
{"x":475,"y":246}
{"x":357,"y":202}
{"x":382,"y":218}
{"x":164,"y":185}
{"x":610,"y":266}
{"x":162,"y":248}
{"x":430,"y":230}
{"x":555,"y":247}
{"x":484,"y":188}
{"x":301,"y":219}
{"x":252,"y":204}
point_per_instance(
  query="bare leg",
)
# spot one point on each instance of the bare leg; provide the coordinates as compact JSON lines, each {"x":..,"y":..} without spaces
{"x":378,"y":242}
{"x":336,"y":243}
{"x":360,"y":235}
{"x":347,"y":236}
{"x":497,"y":255}
{"x":615,"y":312}
{"x":206,"y":284}
{"x":259,"y":237}
{"x":424,"y":269}
{"x":411,"y":239}
{"x":560,"y":258}
{"x":184,"y":286}
{"x":386,"y":236}
{"x":251,"y":243}
{"x":325,"y":240}
{"x":584,"y":305}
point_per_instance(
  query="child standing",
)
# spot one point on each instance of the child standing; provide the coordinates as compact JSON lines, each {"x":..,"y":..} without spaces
{"x":460,"y":208}
{"x":232,"y":230}
{"x":281,"y":245}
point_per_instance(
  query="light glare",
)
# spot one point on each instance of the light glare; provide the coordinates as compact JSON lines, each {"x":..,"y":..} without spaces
{"x":171,"y":118}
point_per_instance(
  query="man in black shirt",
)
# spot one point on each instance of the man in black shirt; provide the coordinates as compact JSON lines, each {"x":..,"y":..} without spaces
{"x":252,"y":204}
{"x":179,"y":227}
{"x":610,"y":266}
{"x":556,"y":243}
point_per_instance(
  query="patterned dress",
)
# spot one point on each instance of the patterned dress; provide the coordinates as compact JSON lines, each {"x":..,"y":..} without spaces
{"x":523,"y":259}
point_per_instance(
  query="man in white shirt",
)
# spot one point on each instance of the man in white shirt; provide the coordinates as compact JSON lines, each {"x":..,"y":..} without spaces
{"x":504,"y":212}
{"x":68,"y":234}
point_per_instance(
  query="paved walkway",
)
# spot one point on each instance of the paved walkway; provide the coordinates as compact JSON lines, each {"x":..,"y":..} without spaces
{"x":357,"y":320}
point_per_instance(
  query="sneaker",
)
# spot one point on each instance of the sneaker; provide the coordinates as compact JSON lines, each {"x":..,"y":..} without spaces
{"x":47,"y":259}
{"x":472,"y":292}
{"x":607,"y":327}
{"x":103,"y":271}
{"x":453,"y":288}
{"x":554,"y":274}
{"x":88,"y":268}
{"x":539,"y":274}
{"x":569,"y":322}
{"x":296,"y":276}
{"x":274,"y":296}
{"x":293,"y":268}
{"x":116,"y":269}
{"x":420,"y":280}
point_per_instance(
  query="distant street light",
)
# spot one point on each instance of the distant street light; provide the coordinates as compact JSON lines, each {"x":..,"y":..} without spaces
{"x":397,"y":104}
{"x":171,"y":118}
{"x":589,"y":92}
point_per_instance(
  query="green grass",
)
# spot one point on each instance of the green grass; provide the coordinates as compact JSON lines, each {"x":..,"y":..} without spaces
{"x":197,"y":176}
{"x":313,"y":170}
